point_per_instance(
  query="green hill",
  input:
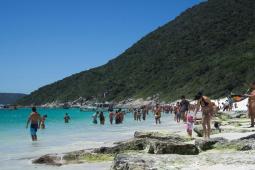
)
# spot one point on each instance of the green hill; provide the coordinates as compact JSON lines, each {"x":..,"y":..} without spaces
{"x":209,"y":47}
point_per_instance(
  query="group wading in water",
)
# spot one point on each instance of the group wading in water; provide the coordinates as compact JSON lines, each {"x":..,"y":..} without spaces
{"x":182,"y":111}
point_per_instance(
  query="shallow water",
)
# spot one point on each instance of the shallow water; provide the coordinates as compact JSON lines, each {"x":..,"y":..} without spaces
{"x":17,"y":150}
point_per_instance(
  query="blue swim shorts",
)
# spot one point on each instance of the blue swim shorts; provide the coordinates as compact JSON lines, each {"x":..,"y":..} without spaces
{"x":33,"y":129}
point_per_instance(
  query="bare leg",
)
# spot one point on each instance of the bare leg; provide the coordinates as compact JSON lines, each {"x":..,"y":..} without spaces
{"x":252,"y":119}
{"x":34,"y":138}
{"x":204,"y":129}
{"x":208,"y":127}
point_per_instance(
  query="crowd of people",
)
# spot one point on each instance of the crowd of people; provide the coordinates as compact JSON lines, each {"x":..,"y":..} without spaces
{"x":183,"y":111}
{"x":118,"y":116}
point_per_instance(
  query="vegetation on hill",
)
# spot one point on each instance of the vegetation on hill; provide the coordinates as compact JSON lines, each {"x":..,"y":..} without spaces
{"x":210,"y":47}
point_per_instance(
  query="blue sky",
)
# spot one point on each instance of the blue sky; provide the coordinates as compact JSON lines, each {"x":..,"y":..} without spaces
{"x":42,"y":41}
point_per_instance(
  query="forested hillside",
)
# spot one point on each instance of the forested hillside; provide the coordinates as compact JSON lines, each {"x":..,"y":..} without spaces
{"x":209,"y":47}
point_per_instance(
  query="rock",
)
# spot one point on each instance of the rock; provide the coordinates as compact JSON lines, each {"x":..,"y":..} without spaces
{"x":48,"y":160}
{"x":169,"y":147}
{"x":75,"y":155}
{"x":127,"y":162}
{"x":207,"y":160}
{"x":134,"y":144}
{"x":199,"y":131}
{"x":159,"y":136}
{"x":208,"y":144}
{"x":248,"y":137}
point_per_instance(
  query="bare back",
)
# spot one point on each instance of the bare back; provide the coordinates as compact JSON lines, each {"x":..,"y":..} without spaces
{"x":35,"y":117}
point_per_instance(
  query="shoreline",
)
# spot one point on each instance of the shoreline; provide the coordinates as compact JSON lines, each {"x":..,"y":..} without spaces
{"x":127,"y":153}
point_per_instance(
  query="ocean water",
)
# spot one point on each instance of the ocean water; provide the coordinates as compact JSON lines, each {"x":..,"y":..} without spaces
{"x":17,"y":150}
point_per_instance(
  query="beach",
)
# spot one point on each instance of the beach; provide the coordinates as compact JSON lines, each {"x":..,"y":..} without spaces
{"x":18,"y":151}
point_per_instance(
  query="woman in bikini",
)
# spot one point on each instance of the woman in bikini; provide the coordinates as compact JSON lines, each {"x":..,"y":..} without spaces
{"x":251,"y":104}
{"x":207,"y":112}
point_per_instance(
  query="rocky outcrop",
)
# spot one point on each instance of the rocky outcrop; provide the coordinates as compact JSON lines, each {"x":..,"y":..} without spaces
{"x":133,"y":144}
{"x":147,"y":142}
{"x":135,"y":162}
{"x":168,"y":147}
{"x":157,"y":143}
{"x":207,"y":160}
{"x":242,"y":144}
{"x":199,"y":131}
{"x":159,"y":136}
{"x":48,"y":160}
{"x":208,"y":144}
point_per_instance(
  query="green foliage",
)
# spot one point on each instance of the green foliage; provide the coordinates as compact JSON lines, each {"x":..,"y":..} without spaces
{"x":210,"y":47}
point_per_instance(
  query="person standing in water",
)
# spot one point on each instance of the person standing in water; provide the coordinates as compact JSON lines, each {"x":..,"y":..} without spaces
{"x":102,"y":118}
{"x":111,"y":117}
{"x":35,"y":122}
{"x":43,"y":121}
{"x":207,"y":113}
{"x":157,"y":114}
{"x":178,"y":114}
{"x":144,"y":112}
{"x":67,"y":118}
{"x":251,"y":104}
{"x":138,"y":118}
{"x":94,"y":117}
{"x":135,"y":114}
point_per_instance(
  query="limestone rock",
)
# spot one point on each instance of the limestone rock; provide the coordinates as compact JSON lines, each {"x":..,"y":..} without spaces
{"x":134,"y":144}
{"x":160,"y":136}
{"x":208,"y":144}
{"x":48,"y":160}
{"x":169,"y":147}
{"x":199,"y":131}
{"x":127,"y":162}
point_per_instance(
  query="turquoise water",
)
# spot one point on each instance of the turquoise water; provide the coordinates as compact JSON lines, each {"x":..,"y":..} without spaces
{"x":17,"y":150}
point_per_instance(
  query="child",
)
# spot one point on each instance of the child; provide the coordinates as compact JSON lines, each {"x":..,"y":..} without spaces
{"x":178,"y":113}
{"x":190,"y":122}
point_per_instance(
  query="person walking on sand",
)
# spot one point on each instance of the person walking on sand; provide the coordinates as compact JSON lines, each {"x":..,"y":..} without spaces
{"x":207,"y":112}
{"x":251,"y":104}
{"x":35,"y":122}
{"x":67,"y":118}
{"x":157,"y":114}
{"x":184,"y":107}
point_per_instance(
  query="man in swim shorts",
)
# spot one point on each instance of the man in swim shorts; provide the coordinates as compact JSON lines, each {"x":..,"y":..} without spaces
{"x":184,"y":108}
{"x":35,"y":121}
